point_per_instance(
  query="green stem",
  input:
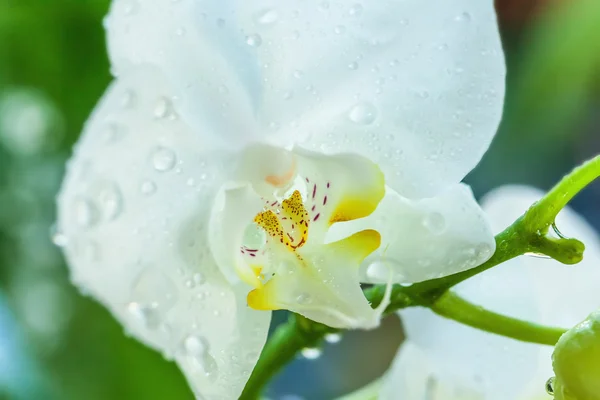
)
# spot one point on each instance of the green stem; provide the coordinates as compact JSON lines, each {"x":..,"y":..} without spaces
{"x":543,"y":213}
{"x":454,"y":307}
{"x":296,"y":334}
{"x":526,"y":235}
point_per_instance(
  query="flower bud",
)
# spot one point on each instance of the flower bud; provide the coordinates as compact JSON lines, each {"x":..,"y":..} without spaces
{"x":576,"y":361}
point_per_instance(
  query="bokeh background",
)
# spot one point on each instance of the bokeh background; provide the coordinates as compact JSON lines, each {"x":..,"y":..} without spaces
{"x":55,"y":343}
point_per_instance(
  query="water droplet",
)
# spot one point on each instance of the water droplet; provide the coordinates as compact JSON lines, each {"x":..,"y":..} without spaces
{"x":557,"y":231}
{"x":253,"y":40}
{"x":195,"y":345}
{"x":190,"y":284}
{"x":483,"y":251}
{"x":434,"y":222}
{"x":127,"y":99}
{"x":267,"y":17}
{"x":153,"y":295}
{"x":355,"y":10}
{"x":181,"y":31}
{"x":311,"y":353}
{"x":463,"y":17}
{"x":147,"y":315}
{"x":537,"y":255}
{"x":353,"y":65}
{"x":363,"y":113}
{"x":220,"y":22}
{"x":110,"y":200}
{"x":339,"y":29}
{"x":333,"y":338}
{"x":198,"y":278}
{"x":148,"y":188}
{"x":86,"y":213}
{"x":303,"y":298}
{"x":163,"y":159}
{"x":298,"y":74}
{"x":163,"y":108}
{"x":130,"y":8}
{"x":550,"y":386}
{"x":58,"y":237}
{"x":324,"y":6}
{"x":288,"y":95}
{"x":424,"y":262}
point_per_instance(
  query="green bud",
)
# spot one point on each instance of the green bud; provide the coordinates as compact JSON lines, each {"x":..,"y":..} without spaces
{"x":576,"y":361}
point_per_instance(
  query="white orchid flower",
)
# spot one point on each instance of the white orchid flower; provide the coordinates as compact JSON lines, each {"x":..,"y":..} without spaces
{"x":240,"y":141}
{"x":443,"y":359}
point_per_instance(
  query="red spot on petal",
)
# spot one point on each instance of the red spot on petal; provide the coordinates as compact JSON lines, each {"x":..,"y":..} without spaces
{"x":314,"y":191}
{"x":324,"y":200}
{"x":252,"y":255}
{"x":316,"y":217}
{"x":313,"y":208}
{"x":328,"y":185}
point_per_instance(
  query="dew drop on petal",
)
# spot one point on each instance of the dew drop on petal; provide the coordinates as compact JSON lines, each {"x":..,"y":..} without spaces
{"x":163,"y":159}
{"x":110,"y":200}
{"x":86,"y":213}
{"x":303,"y":298}
{"x":148,"y":188}
{"x":163,"y":108}
{"x":363,"y":113}
{"x":378,"y":271}
{"x":483,"y":251}
{"x":355,"y":10}
{"x":254,"y":40}
{"x":311,"y":353}
{"x":434,"y":222}
{"x":190,"y":284}
{"x":267,"y":17}
{"x":339,"y":29}
{"x":463,"y":17}
{"x":58,"y":237}
{"x":198,"y":278}
{"x":195,"y":345}
{"x":353,"y":65}
{"x":333,"y":338}
{"x":127,"y":99}
{"x":146,"y":315}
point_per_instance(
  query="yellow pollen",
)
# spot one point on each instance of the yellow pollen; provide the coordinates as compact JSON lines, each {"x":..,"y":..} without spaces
{"x":294,"y":210}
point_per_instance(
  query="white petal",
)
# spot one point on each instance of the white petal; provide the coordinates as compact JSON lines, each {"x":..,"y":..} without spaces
{"x":199,"y":54}
{"x":416,"y":86}
{"x":415,"y":376}
{"x":424,"y":239}
{"x":134,"y":207}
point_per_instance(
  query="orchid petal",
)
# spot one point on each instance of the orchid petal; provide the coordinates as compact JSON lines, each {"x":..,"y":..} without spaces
{"x":424,"y":239}
{"x":135,"y":208}
{"x":415,"y":86}
{"x":415,"y":376}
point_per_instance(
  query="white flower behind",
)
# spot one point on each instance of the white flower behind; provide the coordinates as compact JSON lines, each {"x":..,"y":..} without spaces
{"x":240,"y":148}
{"x":445,"y":360}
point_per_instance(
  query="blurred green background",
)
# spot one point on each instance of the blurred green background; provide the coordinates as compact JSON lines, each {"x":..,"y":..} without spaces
{"x":55,"y":343}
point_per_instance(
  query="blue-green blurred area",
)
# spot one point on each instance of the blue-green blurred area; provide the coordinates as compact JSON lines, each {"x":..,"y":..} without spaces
{"x":55,"y":343}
